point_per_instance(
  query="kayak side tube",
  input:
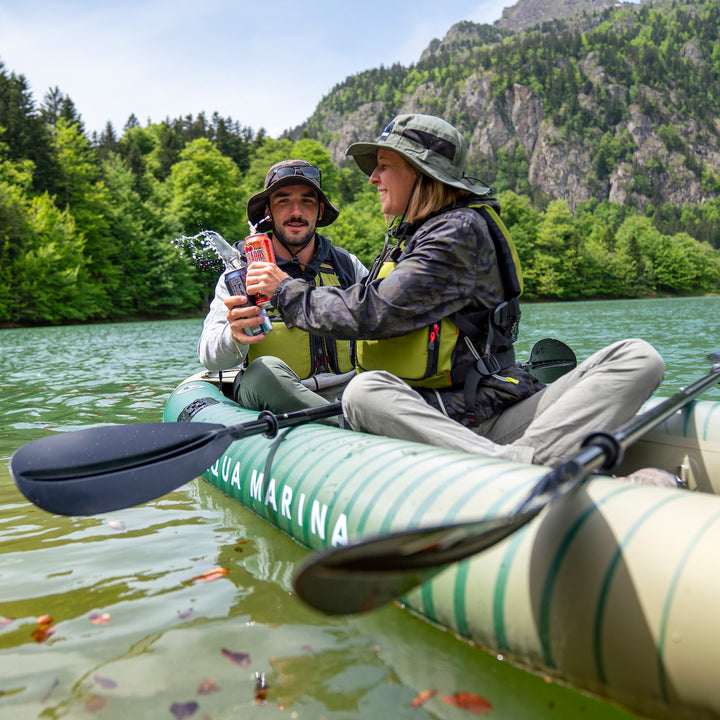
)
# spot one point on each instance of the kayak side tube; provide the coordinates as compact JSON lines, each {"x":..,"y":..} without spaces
{"x":612,"y":589}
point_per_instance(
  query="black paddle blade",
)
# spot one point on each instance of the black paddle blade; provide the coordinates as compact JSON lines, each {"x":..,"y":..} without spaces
{"x":107,"y":468}
{"x":550,"y":359}
{"x":371,"y":573}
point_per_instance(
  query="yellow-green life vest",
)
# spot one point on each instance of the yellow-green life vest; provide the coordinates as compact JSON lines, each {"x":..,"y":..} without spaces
{"x":423,"y":357}
{"x":305,"y":353}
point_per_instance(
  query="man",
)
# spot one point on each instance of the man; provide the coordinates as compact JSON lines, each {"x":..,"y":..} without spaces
{"x":287,"y":369}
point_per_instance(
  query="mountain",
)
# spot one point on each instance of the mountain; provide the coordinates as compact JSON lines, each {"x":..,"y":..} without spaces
{"x":526,"y":14}
{"x":585,"y":100}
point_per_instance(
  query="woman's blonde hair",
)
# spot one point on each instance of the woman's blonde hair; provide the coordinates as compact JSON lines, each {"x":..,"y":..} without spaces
{"x":431,"y":195}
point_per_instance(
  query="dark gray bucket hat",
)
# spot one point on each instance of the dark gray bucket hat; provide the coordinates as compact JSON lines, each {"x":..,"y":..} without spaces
{"x":290,"y":172}
{"x":430,"y":144}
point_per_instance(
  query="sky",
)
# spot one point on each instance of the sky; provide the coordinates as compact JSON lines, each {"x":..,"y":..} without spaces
{"x":265,"y":63}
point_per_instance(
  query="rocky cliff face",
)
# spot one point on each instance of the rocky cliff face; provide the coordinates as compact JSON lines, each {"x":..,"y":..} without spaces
{"x":525,"y":14}
{"x":560,"y":165}
{"x":560,"y":168}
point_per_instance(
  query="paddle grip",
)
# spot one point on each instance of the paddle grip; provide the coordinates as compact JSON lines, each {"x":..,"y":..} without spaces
{"x":609,"y":445}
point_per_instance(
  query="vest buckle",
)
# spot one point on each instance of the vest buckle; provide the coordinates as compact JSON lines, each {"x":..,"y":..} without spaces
{"x":488,"y":365}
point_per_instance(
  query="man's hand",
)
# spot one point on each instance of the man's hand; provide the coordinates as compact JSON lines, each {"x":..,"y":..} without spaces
{"x":263,"y":278}
{"x":241,"y":318}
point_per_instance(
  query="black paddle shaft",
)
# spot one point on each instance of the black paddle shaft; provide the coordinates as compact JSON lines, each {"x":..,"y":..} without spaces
{"x":604,"y":451}
{"x":108,"y":468}
{"x":372,"y":572}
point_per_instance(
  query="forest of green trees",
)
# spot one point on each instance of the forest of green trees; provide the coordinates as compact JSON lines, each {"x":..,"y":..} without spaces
{"x":87,"y":222}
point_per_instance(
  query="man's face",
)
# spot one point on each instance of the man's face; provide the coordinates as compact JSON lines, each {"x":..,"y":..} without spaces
{"x":294,"y":210}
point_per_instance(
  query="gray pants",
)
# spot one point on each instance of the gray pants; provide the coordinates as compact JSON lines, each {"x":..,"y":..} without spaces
{"x":269,"y":384}
{"x":602,"y":393}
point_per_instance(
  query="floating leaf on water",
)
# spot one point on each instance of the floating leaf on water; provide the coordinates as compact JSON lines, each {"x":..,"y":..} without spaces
{"x":182,"y":614}
{"x":42,"y":633}
{"x":104,"y":682}
{"x":95,"y":704}
{"x":242,"y":659}
{"x":183,"y":710}
{"x":97,"y":618}
{"x":422,"y":697}
{"x":44,"y":629}
{"x":207,"y":687}
{"x":209,"y":575}
{"x":238,"y":546}
{"x":469,"y":701}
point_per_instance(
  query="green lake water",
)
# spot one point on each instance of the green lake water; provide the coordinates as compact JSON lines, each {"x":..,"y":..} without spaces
{"x":134,"y":635}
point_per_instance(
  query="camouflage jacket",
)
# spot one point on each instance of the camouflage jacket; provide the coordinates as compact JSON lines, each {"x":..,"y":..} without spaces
{"x":448,"y":264}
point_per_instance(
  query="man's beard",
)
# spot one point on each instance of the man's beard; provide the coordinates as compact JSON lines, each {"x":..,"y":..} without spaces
{"x":296,"y":242}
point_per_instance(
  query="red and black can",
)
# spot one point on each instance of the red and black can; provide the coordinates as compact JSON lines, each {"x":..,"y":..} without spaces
{"x":259,"y":248}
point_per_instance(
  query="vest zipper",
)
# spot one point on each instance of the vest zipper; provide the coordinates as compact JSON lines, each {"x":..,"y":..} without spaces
{"x":433,"y":350}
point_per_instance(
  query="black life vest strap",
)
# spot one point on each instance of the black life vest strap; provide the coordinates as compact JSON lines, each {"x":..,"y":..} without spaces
{"x":490,"y":326}
{"x":480,"y":369}
{"x":480,"y":324}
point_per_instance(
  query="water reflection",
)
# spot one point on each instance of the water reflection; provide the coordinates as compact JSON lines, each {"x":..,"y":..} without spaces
{"x":166,"y":634}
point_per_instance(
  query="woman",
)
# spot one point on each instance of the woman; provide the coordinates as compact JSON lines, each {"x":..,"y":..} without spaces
{"x":439,"y":309}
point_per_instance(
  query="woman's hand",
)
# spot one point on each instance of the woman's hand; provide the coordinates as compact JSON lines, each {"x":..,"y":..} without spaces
{"x":263,"y":278}
{"x":240,"y":318}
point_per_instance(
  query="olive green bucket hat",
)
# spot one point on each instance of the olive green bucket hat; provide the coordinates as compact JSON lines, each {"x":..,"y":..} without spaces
{"x":430,"y":144}
{"x":290,"y":172}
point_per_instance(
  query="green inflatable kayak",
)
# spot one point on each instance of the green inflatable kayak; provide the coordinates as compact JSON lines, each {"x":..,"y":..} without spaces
{"x":613,"y":590}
